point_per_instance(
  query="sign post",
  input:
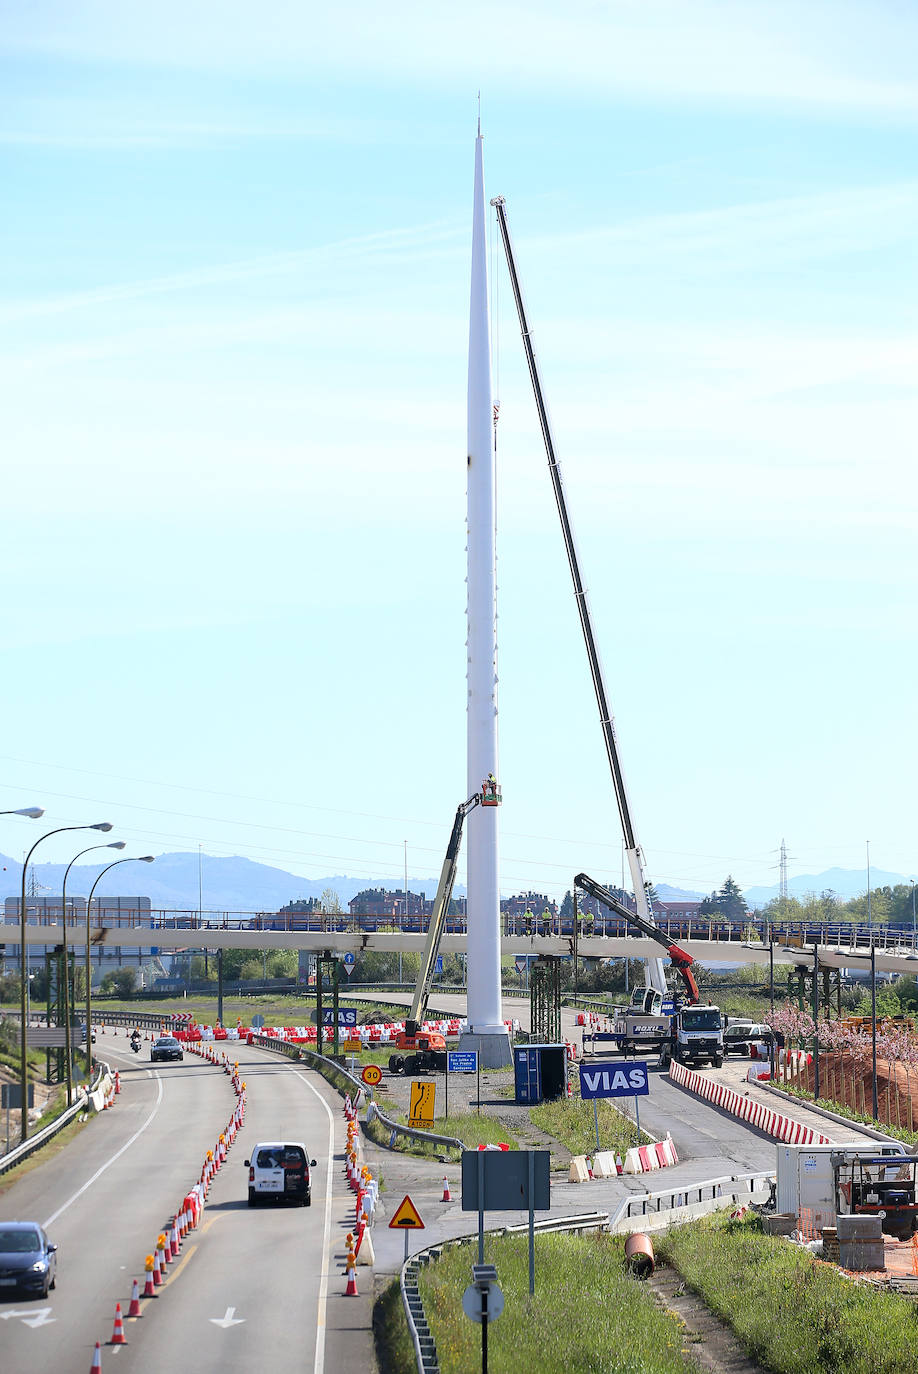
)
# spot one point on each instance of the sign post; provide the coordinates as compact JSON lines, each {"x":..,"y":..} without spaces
{"x":500,"y":1181}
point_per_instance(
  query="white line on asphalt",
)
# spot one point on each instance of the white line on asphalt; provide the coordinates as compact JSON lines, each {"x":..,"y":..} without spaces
{"x":326,"y":1244}
{"x":117,"y":1155}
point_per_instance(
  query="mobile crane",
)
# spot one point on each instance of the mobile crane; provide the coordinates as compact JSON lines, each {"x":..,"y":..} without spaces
{"x":694,"y":1032}
{"x":427,"y":1049}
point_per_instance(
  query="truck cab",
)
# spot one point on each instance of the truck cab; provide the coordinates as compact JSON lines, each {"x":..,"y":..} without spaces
{"x":698,"y":1036}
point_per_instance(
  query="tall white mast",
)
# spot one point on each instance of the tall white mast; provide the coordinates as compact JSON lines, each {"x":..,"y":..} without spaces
{"x":484,"y":991}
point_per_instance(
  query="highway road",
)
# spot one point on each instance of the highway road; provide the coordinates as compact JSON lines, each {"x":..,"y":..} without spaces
{"x":261,"y":1287}
{"x":254,"y":1288}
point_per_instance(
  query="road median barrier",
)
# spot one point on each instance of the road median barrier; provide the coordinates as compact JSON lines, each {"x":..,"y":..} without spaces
{"x":758,"y":1114}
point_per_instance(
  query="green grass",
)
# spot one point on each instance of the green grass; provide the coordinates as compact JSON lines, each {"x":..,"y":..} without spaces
{"x":794,"y":1314}
{"x":471,"y":1129}
{"x":570,"y":1120}
{"x":588,"y":1314}
{"x":277,"y":1009}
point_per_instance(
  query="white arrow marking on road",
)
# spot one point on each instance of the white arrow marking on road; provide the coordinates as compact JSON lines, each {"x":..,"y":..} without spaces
{"x":40,"y":1318}
{"x":5,"y":1316}
{"x":228,"y":1319}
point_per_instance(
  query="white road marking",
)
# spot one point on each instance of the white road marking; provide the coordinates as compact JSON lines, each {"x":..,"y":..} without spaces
{"x":228,"y":1319}
{"x":319,"y":1366}
{"x":30,"y":1317}
{"x":40,"y":1318}
{"x":117,"y":1155}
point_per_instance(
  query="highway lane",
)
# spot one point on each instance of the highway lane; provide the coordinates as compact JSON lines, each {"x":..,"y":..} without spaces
{"x":263,"y":1287}
{"x":253,"y":1288}
{"x":105,"y":1197}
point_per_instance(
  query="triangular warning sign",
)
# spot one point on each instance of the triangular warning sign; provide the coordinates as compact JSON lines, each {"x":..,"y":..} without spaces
{"x":406,"y":1217}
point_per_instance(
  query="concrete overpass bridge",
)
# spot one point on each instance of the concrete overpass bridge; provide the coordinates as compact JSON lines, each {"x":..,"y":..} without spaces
{"x":169,"y":934}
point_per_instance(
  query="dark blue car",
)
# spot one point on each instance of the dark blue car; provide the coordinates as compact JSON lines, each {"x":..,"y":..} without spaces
{"x":28,"y":1260}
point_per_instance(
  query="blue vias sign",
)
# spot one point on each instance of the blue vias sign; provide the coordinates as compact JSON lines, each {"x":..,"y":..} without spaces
{"x":623,"y":1078}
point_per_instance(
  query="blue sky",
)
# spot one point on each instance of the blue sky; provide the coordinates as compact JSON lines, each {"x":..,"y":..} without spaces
{"x":233,"y":319}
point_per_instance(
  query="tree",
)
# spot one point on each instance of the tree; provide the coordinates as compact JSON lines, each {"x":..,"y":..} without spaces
{"x":730,"y":901}
{"x":330,"y":902}
{"x":119,"y":983}
{"x":567,"y":906}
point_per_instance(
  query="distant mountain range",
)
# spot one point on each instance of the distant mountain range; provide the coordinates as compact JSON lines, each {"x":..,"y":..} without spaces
{"x":171,"y":883}
{"x":237,"y":884}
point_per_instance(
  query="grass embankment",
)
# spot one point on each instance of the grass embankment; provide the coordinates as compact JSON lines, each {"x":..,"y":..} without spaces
{"x":471,"y":1129}
{"x":277,"y":1010}
{"x":588,"y":1314}
{"x":570,"y":1120}
{"x":794,"y":1314}
{"x":841,"y":1109}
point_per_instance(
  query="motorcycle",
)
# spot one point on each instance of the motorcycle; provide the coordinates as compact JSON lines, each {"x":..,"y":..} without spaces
{"x":135,"y":1043}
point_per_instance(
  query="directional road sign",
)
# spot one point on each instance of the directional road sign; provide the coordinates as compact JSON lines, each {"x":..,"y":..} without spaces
{"x":461,"y":1061}
{"x":421,"y":1109}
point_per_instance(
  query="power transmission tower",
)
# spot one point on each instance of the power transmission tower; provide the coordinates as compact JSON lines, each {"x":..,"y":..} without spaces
{"x":782,"y":888}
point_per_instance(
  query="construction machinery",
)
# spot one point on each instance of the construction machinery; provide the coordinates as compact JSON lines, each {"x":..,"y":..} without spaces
{"x":692,"y":1032}
{"x":418,"y":1050}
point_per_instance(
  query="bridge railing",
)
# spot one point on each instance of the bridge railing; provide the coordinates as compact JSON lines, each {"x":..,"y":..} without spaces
{"x":751,"y":930}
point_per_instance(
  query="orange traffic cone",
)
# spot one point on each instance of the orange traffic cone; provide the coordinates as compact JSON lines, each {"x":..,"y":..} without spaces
{"x":96,"y":1359}
{"x":134,"y":1309}
{"x":350,"y":1290}
{"x":157,"y":1272}
{"x":447,"y":1197}
{"x":148,"y":1284}
{"x":118,"y":1330}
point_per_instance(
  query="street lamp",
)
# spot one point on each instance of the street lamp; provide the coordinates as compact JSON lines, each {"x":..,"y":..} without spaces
{"x":116,"y":844}
{"x":33,"y":812}
{"x":144,"y":859}
{"x":23,"y":964}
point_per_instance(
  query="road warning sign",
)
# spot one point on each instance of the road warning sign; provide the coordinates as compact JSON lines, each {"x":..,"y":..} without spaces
{"x":406,"y":1217}
{"x":421,"y":1108}
{"x":372,"y":1075}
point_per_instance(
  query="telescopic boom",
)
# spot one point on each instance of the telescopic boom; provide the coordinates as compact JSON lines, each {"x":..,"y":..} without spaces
{"x":655,"y":973}
{"x":681,"y":960}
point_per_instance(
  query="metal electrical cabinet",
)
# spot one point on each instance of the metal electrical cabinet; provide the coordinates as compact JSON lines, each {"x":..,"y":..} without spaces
{"x":806,"y":1178}
{"x":540,"y":1073}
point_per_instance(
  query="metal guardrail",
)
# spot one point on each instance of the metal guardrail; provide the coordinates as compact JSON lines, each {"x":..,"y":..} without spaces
{"x":35,"y":1142}
{"x":395,"y":1128}
{"x":323,"y":1062}
{"x":730,"y":1188}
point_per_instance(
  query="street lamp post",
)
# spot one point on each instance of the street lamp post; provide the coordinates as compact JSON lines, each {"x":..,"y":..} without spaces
{"x":116,"y":844}
{"x":33,"y":812}
{"x":23,"y":964}
{"x":144,"y":859}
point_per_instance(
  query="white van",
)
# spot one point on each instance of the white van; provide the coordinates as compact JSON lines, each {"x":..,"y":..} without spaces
{"x":280,"y":1169}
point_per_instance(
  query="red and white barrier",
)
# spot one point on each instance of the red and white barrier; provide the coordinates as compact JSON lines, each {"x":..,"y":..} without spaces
{"x":758,"y":1114}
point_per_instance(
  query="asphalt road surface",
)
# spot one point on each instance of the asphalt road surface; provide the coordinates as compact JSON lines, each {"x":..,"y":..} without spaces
{"x":254,"y":1288}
